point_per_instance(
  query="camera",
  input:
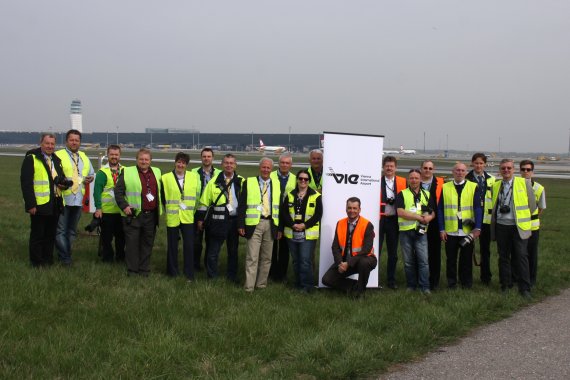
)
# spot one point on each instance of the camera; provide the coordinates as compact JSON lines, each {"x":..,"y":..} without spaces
{"x":505,"y":209}
{"x":95,"y":224}
{"x":390,"y":201}
{"x":468,"y":223}
{"x":421,"y":228}
{"x":63,"y":182}
{"x":466,"y":240}
{"x":132,"y":216}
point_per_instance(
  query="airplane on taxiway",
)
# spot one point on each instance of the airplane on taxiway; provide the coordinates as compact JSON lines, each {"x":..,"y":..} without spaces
{"x":270,"y":149}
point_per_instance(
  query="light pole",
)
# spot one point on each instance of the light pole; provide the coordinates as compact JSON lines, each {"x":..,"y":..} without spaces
{"x":252,"y":141}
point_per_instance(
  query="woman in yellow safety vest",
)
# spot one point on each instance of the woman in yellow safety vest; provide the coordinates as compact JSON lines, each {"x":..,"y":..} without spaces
{"x":300,"y":217}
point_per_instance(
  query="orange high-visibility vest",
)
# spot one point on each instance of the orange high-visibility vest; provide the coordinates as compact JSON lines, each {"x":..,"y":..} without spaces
{"x":440,"y":183}
{"x":357,"y":235}
{"x":399,"y":185}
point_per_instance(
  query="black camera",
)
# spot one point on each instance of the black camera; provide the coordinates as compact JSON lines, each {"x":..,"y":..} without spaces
{"x":95,"y":224}
{"x":63,"y":182}
{"x":421,"y":228}
{"x":505,"y":209}
{"x":468,"y":223}
{"x":467,"y":240}
{"x":132,"y":216}
{"x":390,"y":201}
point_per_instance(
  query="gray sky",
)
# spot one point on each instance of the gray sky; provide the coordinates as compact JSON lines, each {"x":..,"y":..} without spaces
{"x":396,"y":68}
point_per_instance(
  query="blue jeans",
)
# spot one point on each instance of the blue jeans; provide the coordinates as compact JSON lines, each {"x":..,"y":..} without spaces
{"x":301,"y":253}
{"x":67,"y":232}
{"x":415,"y":251}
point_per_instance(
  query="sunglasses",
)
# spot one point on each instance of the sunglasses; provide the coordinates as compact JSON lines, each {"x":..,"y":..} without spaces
{"x":506,"y":168}
{"x":303,"y":179}
{"x":426,"y":168}
{"x":526,"y":169}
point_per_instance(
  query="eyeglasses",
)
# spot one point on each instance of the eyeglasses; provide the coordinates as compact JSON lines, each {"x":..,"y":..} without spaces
{"x":303,"y":179}
{"x":526,"y":169}
{"x":427,"y":168}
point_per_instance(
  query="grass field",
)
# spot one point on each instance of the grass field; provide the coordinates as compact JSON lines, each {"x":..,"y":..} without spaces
{"x":92,"y":321}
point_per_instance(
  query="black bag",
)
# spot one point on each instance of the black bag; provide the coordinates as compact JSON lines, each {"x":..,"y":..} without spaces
{"x":217,"y":228}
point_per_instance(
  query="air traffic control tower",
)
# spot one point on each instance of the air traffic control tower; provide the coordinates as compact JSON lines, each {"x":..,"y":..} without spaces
{"x":76,"y":115}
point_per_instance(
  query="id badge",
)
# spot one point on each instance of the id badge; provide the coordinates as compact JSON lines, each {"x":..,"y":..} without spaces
{"x":459,"y":215}
{"x":418,"y":206}
{"x":413,"y":209}
{"x":298,"y":217}
{"x":183,"y":206}
{"x":230,"y":207}
{"x":112,"y":193}
{"x":260,"y":208}
{"x":149,"y":197}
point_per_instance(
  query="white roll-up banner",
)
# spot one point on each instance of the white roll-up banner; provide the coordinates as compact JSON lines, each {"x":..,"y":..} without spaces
{"x":352,"y":167}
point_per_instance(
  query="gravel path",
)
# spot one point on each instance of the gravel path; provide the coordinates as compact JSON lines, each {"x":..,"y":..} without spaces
{"x":532,"y":344}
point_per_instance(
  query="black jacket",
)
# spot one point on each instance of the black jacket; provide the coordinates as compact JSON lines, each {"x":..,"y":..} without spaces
{"x":55,"y":204}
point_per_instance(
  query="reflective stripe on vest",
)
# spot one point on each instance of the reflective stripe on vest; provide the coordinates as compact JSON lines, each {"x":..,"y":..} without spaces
{"x":108,"y":202}
{"x":252,"y":213}
{"x":174,"y":213}
{"x":311,"y":233}
{"x":520,"y":200}
{"x":450,"y":201}
{"x":41,"y":182}
{"x":357,"y":235}
{"x":409,"y":203}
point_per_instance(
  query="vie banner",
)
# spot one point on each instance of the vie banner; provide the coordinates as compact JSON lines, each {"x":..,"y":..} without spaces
{"x":352,"y":167}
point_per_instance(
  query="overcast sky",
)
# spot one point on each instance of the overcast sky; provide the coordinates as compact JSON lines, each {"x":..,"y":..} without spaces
{"x":478,"y":73}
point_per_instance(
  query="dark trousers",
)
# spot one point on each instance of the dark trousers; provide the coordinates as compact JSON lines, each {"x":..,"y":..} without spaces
{"x":42,"y":239}
{"x":434,"y":254}
{"x":362,"y":265}
{"x":172,"y":237}
{"x":485,"y":249}
{"x":139,"y":239}
{"x":199,"y":236}
{"x":389,"y":228}
{"x":213,"y":252}
{"x":513,"y":249}
{"x":112,"y":227}
{"x":532,"y":248}
{"x":452,"y":248}
{"x":279,"y":260}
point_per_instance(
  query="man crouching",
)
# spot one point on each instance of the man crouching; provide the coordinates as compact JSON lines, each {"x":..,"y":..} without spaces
{"x":353,"y":252}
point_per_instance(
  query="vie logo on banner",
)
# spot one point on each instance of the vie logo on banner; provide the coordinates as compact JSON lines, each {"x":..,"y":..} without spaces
{"x":351,"y":178}
{"x":344,"y":178}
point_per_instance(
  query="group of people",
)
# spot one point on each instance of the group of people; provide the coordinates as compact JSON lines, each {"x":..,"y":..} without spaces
{"x":424,"y":211}
{"x":279,"y":214}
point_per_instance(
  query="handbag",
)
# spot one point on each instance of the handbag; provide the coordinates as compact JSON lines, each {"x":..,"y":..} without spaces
{"x":217,"y":227}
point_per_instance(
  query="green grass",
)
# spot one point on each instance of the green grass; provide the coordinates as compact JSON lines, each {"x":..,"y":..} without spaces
{"x":92,"y":321}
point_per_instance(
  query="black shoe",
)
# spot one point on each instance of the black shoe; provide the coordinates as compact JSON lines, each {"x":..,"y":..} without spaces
{"x":526,"y":295}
